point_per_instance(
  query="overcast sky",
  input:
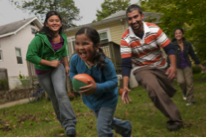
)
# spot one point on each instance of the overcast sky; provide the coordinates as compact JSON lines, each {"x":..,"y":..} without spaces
{"x":9,"y":13}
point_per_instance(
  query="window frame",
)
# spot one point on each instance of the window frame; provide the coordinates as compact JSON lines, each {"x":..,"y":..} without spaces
{"x":107,"y":34}
{"x":33,"y":30}
{"x":19,"y":58}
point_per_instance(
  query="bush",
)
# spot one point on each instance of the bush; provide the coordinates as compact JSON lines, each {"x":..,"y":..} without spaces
{"x":196,"y":69}
{"x":25,"y":81}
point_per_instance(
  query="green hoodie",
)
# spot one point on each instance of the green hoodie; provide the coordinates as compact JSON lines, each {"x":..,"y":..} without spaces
{"x":41,"y":48}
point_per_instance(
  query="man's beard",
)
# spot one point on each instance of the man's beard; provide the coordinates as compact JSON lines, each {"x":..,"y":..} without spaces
{"x":139,"y":29}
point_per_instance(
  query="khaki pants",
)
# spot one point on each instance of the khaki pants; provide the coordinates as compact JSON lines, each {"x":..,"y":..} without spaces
{"x":160,"y":90}
{"x":185,"y":80}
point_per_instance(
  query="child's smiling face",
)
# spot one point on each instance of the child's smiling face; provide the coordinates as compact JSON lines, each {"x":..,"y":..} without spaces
{"x":84,"y":47}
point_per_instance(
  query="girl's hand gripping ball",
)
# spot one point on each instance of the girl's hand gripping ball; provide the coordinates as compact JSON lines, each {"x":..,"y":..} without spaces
{"x":81,"y":80}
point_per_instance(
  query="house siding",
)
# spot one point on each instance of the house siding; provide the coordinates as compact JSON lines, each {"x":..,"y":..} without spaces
{"x":115,"y":28}
{"x":116,"y":31}
{"x":8,"y":44}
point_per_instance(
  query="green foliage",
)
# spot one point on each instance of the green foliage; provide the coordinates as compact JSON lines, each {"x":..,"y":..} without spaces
{"x":21,"y":76}
{"x":187,"y":14}
{"x":196,"y":69}
{"x":37,"y":119}
{"x":66,"y":8}
{"x":111,"y":6}
{"x":24,"y":80}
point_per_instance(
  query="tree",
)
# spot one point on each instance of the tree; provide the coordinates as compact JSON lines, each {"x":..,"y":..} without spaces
{"x":66,"y":8}
{"x":187,"y":14}
{"x":111,"y":6}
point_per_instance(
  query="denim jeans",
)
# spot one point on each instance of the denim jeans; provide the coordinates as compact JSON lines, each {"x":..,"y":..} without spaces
{"x":54,"y":83}
{"x":106,"y":123}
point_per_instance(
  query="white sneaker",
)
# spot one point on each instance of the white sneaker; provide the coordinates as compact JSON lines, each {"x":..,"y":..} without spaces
{"x":184,"y":98}
{"x":189,"y":104}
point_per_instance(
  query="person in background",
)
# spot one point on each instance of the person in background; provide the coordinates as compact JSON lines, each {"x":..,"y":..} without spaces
{"x":48,"y":51}
{"x":100,"y":96}
{"x":184,"y":49}
{"x":141,"y":53}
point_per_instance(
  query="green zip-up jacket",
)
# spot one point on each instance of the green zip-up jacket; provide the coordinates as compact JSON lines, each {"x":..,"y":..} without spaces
{"x":41,"y":48}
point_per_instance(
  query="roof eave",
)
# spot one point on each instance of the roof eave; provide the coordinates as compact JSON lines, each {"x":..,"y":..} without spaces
{"x":16,"y":31}
{"x":98,"y":22}
{"x":32,"y":20}
{"x":8,"y":34}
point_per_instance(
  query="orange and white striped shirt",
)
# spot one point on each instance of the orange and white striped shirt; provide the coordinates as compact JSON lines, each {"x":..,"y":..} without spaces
{"x":145,"y":51}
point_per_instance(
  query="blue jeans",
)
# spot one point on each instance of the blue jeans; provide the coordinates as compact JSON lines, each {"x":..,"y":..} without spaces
{"x":106,"y":123}
{"x":54,"y":83}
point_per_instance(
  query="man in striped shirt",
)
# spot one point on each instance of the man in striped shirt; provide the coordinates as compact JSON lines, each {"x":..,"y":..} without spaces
{"x":141,"y":53}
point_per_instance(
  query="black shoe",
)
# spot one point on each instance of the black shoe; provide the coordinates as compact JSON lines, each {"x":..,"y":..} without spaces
{"x":128,"y":131}
{"x":122,"y":127}
{"x":70,"y":132}
{"x":174,"y":126}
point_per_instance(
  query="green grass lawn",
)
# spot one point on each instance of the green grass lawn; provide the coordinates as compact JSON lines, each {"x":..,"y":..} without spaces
{"x":38,"y":119}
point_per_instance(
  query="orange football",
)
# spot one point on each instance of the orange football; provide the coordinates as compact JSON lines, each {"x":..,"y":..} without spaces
{"x":81,"y":80}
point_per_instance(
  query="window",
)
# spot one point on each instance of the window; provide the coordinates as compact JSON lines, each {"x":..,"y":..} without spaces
{"x":104,"y":35}
{"x":33,"y":30}
{"x":18,"y":55}
{"x":1,"y":55}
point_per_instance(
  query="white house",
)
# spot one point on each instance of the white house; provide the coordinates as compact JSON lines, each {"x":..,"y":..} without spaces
{"x":14,"y":40}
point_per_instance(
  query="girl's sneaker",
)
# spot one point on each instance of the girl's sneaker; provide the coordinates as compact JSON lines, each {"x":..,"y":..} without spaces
{"x":70,"y":132}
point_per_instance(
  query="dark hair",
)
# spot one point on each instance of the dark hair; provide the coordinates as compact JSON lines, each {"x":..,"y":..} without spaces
{"x":181,"y":29}
{"x":93,"y":35}
{"x":134,"y":7}
{"x":45,"y":29}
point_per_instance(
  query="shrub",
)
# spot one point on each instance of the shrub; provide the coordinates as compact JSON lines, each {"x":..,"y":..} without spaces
{"x":196,"y":69}
{"x":24,"y":80}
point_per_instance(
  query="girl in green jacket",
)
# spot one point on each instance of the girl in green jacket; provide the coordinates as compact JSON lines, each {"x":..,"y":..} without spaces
{"x":48,"y":51}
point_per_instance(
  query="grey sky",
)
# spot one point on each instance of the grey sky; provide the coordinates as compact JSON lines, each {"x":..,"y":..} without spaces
{"x":9,"y":13}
